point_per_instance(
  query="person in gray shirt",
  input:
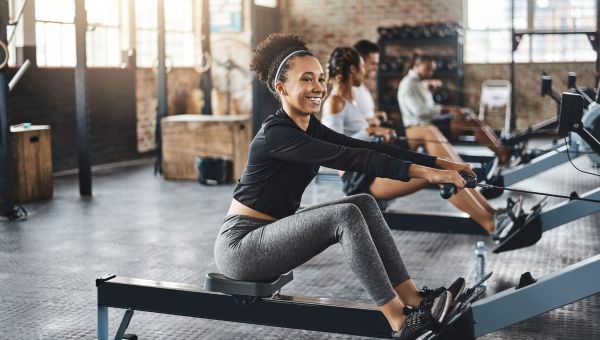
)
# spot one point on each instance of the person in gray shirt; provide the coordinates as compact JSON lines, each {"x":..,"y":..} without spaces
{"x":418,"y":110}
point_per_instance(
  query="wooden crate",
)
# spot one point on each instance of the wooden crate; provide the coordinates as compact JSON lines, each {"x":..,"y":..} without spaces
{"x":32,"y":163}
{"x":186,"y":137}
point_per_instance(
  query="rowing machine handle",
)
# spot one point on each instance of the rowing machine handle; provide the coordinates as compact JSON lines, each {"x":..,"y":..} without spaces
{"x":450,"y":189}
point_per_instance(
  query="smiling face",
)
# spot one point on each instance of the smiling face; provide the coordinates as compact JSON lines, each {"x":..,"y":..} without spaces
{"x":304,"y":87}
{"x":371,"y":65}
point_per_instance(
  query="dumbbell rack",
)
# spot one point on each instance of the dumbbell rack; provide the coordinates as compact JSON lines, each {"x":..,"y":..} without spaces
{"x":393,"y":66}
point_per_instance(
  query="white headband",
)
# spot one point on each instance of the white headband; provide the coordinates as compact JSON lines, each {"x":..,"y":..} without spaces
{"x":281,"y":65}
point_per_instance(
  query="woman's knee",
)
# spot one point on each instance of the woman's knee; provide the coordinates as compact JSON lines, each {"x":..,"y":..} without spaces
{"x":433,"y":133}
{"x":365,"y":200}
{"x":349,"y":210}
{"x":472,"y":122}
{"x":348,"y":216}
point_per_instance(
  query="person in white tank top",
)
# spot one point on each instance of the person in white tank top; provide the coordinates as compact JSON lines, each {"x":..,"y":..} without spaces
{"x":349,"y":121}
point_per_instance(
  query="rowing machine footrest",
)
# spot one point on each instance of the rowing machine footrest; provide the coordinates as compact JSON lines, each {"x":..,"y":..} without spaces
{"x":216,"y":282}
{"x":527,"y":234}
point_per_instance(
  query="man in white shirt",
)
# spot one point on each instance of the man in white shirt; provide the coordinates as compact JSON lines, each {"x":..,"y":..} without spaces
{"x":419,"y":109}
{"x":362,"y":96}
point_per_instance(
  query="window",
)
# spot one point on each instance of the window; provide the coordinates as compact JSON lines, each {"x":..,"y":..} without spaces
{"x":55,"y":33}
{"x":179,"y":33}
{"x":488,"y":34}
{"x":12,"y":49}
{"x":13,"y":8}
{"x":266,"y":3}
{"x":103,"y":39}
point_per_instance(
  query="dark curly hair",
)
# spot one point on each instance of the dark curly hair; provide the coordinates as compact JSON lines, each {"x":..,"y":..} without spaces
{"x":365,"y":47}
{"x":340,"y":61}
{"x":418,"y":58}
{"x":271,"y":52}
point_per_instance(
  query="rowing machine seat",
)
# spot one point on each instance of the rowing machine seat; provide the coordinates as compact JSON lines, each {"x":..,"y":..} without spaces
{"x":216,"y":282}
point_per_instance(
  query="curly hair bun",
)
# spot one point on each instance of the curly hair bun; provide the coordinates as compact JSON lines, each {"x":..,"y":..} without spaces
{"x":271,"y":52}
{"x":340,"y":61}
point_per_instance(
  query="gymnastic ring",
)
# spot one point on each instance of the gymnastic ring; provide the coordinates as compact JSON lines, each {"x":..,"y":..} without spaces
{"x":5,"y":51}
{"x":168,"y":65}
{"x":207,"y":65}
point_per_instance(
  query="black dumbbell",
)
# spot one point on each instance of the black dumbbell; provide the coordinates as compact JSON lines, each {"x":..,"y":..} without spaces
{"x":385,"y":32}
{"x":450,"y":189}
{"x":441,"y":63}
{"x":384,"y":66}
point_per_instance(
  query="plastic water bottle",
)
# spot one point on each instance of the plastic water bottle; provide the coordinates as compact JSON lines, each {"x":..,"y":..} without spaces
{"x":479,"y":271}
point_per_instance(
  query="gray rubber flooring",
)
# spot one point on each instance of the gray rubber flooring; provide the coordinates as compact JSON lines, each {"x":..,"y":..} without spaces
{"x":141,"y":226}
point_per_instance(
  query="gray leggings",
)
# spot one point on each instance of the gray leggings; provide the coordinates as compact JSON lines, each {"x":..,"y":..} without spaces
{"x":257,"y":250}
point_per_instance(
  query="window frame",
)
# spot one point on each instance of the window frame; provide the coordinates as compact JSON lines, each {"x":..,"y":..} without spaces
{"x":119,"y":27}
{"x":527,"y":55}
{"x":154,"y":30}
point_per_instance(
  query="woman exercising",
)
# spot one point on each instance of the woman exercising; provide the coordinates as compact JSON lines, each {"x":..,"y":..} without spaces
{"x":346,"y":69}
{"x":263,"y":236}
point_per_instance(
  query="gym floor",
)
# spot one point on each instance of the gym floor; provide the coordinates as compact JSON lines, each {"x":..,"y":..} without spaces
{"x":139,"y":225}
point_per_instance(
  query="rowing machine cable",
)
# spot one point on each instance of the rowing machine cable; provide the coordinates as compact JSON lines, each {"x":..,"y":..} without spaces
{"x":489,"y":186}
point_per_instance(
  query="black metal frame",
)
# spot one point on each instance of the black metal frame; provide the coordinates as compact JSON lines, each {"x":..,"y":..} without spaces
{"x":7,"y":207}
{"x":206,"y":76}
{"x":454,"y":223}
{"x":572,"y":106}
{"x":162,"y":107}
{"x":316,"y":314}
{"x":85,"y":170}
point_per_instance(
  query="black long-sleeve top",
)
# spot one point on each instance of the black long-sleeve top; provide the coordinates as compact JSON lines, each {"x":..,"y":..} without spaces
{"x":283,"y":159}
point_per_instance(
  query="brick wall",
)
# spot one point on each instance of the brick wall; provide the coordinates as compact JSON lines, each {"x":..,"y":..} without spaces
{"x":328,"y":24}
{"x":180,"y":83}
{"x":46,"y":96}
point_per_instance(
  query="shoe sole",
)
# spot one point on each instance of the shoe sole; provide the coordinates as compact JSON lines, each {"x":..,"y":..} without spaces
{"x":425,"y":335}
{"x":446,"y":307}
{"x":428,"y":334}
{"x":460,"y":292}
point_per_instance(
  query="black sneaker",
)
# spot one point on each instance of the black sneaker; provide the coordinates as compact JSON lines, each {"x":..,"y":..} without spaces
{"x":507,"y":217}
{"x":456,"y":288}
{"x":421,"y":323}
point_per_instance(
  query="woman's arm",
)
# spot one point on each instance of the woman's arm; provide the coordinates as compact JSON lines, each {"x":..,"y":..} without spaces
{"x":289,"y":143}
{"x":388,"y":149}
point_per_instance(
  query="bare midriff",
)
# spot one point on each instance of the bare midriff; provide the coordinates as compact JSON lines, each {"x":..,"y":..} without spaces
{"x":237,"y":208}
